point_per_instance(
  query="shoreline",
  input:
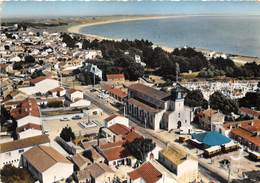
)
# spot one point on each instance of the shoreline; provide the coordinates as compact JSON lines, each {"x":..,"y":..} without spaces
{"x":238,"y":59}
{"x":77,"y":27}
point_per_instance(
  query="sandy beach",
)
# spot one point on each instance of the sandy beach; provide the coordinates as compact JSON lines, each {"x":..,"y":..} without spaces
{"x":76,"y":27}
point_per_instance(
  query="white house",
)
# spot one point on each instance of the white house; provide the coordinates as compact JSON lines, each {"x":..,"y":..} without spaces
{"x":73,"y":94}
{"x":46,"y":164}
{"x":29,"y":130}
{"x":40,"y":84}
{"x":97,"y":172}
{"x":10,"y":152}
{"x":93,"y":54}
{"x":26,"y":112}
{"x":15,"y":59}
{"x":91,"y":68}
{"x":81,"y":103}
{"x":27,"y":119}
{"x":179,"y":163}
{"x":116,"y":119}
{"x":57,"y":92}
{"x":139,"y":61}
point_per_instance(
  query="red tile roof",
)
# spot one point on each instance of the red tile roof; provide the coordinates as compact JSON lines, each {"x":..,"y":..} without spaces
{"x":115,"y":76}
{"x":3,"y":66}
{"x":29,"y":126}
{"x":27,"y":107}
{"x":132,"y":136}
{"x":111,"y":145}
{"x":109,"y":118}
{"x":119,"y":129}
{"x":39,"y":79}
{"x":72,"y":90}
{"x":245,"y":123}
{"x":47,"y":155}
{"x":58,"y":89}
{"x":106,"y":87}
{"x":246,"y":135}
{"x":118,"y":92}
{"x":146,"y":171}
{"x":128,"y":134}
{"x":114,"y":91}
{"x":24,"y":143}
{"x":115,"y":153}
{"x":250,"y":112}
{"x":247,"y":131}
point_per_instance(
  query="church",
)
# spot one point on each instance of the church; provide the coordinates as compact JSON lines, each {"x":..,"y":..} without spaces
{"x":157,"y":109}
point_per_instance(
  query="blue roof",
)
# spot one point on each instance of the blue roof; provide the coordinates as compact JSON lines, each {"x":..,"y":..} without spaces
{"x":211,"y":138}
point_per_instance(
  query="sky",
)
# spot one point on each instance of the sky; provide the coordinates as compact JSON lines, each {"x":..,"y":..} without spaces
{"x":41,"y":9}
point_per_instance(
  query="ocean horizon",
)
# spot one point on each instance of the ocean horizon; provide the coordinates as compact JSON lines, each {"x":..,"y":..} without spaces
{"x":229,"y":34}
{"x":227,"y":26}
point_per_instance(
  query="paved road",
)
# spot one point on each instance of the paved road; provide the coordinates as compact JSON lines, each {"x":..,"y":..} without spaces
{"x":204,"y":168}
{"x":100,"y":103}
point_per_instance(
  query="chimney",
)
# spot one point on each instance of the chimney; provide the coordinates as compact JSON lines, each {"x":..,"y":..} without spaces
{"x":114,"y":138}
{"x":230,"y":127}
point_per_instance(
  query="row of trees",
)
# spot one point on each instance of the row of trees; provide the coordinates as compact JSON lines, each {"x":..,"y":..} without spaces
{"x":251,"y":99}
{"x":217,"y":101}
{"x":11,"y":174}
{"x":163,"y":63}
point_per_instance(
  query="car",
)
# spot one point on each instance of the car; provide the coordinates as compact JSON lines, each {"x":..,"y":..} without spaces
{"x":76,"y":117}
{"x":93,"y":90}
{"x":64,"y":119}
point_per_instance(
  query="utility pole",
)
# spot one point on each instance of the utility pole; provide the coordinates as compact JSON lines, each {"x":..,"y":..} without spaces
{"x":229,"y":171}
{"x":177,"y":73}
{"x":145,"y":123}
{"x":94,"y":77}
{"x":124,"y":108}
{"x":94,"y":80}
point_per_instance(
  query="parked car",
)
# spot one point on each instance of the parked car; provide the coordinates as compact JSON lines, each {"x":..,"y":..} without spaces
{"x":76,"y":117}
{"x":64,"y":119}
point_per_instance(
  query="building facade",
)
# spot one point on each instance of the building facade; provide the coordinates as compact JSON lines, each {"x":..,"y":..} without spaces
{"x":157,"y":109}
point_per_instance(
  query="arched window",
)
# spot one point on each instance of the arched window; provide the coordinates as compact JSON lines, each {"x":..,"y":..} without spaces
{"x":179,"y":124}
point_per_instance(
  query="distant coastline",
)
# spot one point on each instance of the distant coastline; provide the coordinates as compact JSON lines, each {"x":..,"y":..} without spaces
{"x":76,"y":28}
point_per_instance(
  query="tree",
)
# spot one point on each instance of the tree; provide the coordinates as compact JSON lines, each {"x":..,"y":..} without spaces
{"x":134,"y":71}
{"x":37,"y":73}
{"x":87,"y":78}
{"x":11,"y":174}
{"x":28,"y":59}
{"x":17,"y":66}
{"x":195,"y":98}
{"x":251,"y":99}
{"x":139,"y":148}
{"x":70,"y":42}
{"x":67,"y":134}
{"x":220,"y":102}
{"x":159,"y":57}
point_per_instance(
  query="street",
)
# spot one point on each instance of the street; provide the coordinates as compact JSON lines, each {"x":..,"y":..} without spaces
{"x":211,"y":173}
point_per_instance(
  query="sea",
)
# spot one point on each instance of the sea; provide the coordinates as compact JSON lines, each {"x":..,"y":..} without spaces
{"x":226,"y":26}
